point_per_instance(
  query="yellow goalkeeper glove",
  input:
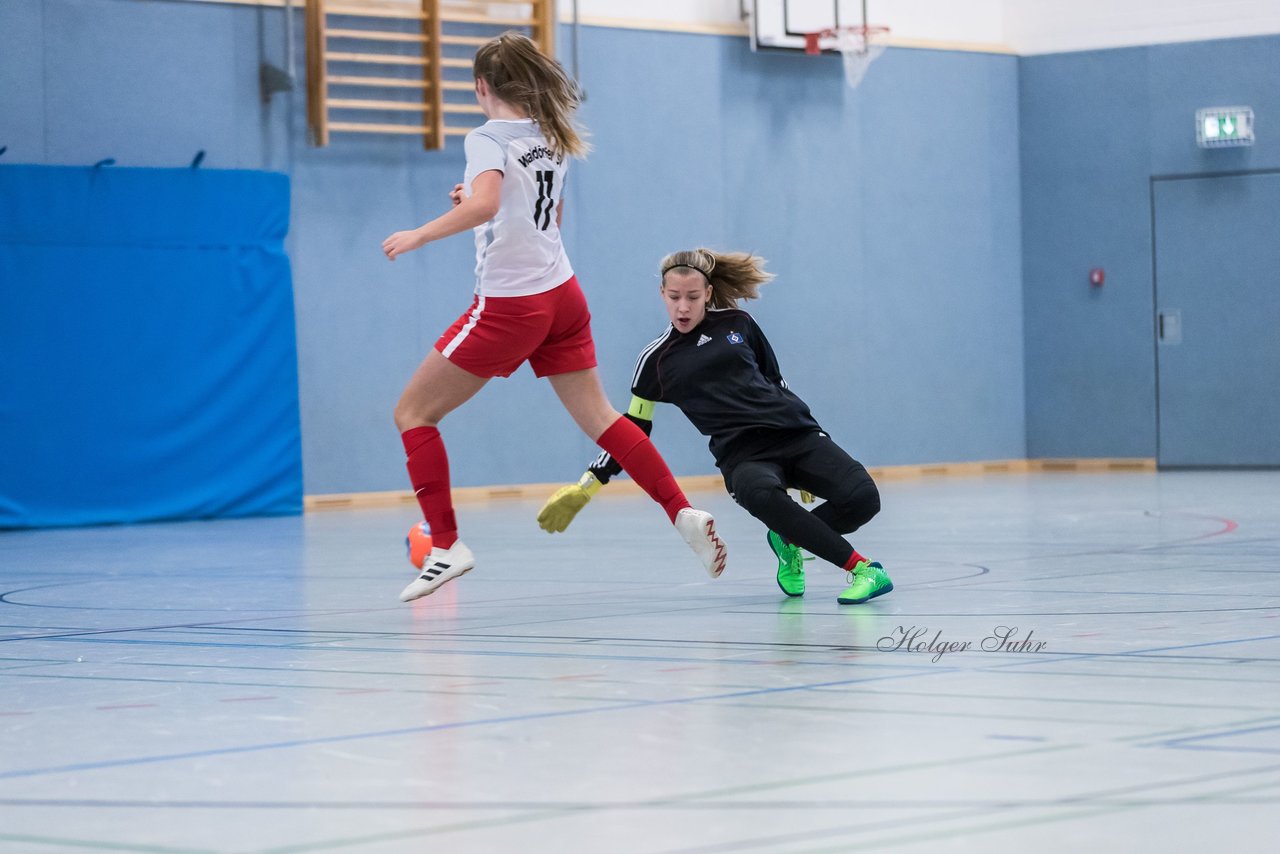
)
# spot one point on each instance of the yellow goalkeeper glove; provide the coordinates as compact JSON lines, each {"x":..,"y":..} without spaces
{"x":565,"y":503}
{"x":806,"y":496}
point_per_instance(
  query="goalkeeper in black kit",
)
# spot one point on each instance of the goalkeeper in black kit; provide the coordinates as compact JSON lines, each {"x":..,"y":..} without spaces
{"x":715,"y":364}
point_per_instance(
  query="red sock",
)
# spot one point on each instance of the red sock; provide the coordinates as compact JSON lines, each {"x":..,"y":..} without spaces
{"x":854,"y":560}
{"x":428,"y":466}
{"x":628,"y":444}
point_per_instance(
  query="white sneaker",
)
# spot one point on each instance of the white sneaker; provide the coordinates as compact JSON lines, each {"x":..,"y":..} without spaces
{"x":698,"y":528}
{"x":440,"y":566}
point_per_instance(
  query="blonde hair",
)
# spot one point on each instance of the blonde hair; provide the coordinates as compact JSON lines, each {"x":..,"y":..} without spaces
{"x":518,"y":73}
{"x":733,"y":276}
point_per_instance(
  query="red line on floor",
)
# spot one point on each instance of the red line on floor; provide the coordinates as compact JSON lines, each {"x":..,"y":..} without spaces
{"x":1228,"y":525}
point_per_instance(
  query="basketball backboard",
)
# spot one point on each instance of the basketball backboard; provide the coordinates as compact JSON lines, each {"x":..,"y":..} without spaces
{"x":781,"y":24}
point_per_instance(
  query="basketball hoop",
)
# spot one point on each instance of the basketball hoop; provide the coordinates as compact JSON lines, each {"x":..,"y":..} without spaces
{"x":860,"y":46}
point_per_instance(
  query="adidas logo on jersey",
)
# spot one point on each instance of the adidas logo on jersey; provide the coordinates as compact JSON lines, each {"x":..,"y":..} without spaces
{"x":703,"y":339}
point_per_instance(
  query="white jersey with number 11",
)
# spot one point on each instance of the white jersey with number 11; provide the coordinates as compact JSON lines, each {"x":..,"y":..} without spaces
{"x":518,"y":252}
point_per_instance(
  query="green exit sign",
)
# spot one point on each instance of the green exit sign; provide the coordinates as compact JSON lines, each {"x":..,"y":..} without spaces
{"x":1222,"y":127}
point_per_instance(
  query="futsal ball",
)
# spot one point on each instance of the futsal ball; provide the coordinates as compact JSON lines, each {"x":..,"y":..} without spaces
{"x":418,"y":544}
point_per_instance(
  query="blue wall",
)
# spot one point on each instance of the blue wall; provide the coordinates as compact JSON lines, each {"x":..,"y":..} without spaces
{"x":1096,"y":126}
{"x":149,"y":366}
{"x":890,"y":213}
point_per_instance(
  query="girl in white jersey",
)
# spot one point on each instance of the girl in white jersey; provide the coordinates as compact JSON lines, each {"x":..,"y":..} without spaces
{"x":527,"y":307}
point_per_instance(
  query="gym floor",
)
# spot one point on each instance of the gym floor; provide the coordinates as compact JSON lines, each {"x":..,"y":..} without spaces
{"x":1070,"y":662}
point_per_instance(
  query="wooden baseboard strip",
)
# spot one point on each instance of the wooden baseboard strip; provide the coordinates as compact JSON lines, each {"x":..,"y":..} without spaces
{"x":705,"y":482}
{"x":1094,"y":465}
{"x":949,"y":469}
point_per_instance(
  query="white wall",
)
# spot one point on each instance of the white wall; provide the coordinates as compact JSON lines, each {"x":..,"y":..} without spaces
{"x":977,"y":22}
{"x":1018,"y":26}
{"x":1052,"y":26}
{"x":1025,"y":26}
{"x":722,"y":13}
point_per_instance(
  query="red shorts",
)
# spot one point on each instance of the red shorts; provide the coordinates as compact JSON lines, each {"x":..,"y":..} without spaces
{"x":552,"y":330}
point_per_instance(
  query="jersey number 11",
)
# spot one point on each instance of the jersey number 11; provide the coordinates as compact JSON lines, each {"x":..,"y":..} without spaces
{"x":542,"y":208}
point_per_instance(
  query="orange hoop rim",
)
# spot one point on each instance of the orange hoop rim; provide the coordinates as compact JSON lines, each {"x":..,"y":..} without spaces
{"x":867,"y":31}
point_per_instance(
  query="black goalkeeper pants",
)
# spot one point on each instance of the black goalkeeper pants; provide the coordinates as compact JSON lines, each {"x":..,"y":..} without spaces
{"x":815,"y":464}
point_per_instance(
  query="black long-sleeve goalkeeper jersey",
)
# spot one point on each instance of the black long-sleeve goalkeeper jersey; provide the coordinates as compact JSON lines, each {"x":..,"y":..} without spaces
{"x":724,"y":377}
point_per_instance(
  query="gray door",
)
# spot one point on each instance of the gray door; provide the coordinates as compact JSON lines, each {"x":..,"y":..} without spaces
{"x":1217,"y":255}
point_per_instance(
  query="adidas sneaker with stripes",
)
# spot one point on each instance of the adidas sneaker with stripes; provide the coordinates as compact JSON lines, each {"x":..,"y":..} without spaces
{"x":441,"y":566}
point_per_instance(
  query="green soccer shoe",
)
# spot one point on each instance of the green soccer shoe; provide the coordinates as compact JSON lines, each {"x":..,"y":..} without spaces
{"x":790,"y":565}
{"x":868,"y":580}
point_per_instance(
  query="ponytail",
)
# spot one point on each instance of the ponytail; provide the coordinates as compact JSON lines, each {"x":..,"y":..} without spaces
{"x":518,"y":73}
{"x":733,"y":276}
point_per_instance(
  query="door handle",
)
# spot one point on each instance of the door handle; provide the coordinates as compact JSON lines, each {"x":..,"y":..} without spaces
{"x":1169,"y":326}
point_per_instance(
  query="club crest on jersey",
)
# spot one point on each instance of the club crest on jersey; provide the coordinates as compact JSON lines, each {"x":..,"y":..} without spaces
{"x":734,"y":338}
{"x":703,"y":339}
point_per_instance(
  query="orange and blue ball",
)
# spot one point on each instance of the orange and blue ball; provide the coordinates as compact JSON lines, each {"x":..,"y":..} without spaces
{"x":418,"y":544}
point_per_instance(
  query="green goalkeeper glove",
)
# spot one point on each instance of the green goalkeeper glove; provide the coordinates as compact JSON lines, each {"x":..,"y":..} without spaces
{"x":565,"y":503}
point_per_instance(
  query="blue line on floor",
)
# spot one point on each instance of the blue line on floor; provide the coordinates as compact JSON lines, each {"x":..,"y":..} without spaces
{"x":251,"y":748}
